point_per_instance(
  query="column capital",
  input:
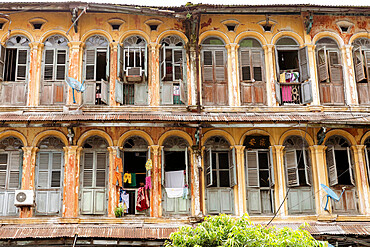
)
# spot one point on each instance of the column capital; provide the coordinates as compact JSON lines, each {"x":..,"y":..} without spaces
{"x":30,"y":149}
{"x":310,"y":47}
{"x":358,"y":148}
{"x":36,"y":45}
{"x":156,"y":149}
{"x":114,"y":46}
{"x":277,"y":148}
{"x":154,"y":46}
{"x":318,"y":148}
{"x":231,"y":46}
{"x":238,"y":148}
{"x":76,"y":44}
{"x":268,"y":47}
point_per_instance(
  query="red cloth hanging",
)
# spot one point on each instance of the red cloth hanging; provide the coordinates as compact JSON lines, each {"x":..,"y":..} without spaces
{"x":142,"y":202}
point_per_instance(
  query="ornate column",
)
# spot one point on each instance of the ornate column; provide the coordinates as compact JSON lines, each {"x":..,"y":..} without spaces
{"x":191,"y":74}
{"x":195,"y":181}
{"x":270,"y":79}
{"x":113,"y":73}
{"x":28,"y":176}
{"x":314,"y":80}
{"x":241,"y":201}
{"x":156,"y":192}
{"x":349,"y":75}
{"x":362,"y":184}
{"x":34,"y":73}
{"x":75,"y":68}
{"x":280,"y":185}
{"x":232,"y":74}
{"x":320,"y":176}
{"x":153,"y":78}
{"x":71,"y":181}
{"x":112,"y":188}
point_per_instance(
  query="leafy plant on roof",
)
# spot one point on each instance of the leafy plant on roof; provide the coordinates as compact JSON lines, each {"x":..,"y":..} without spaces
{"x":224,"y":230}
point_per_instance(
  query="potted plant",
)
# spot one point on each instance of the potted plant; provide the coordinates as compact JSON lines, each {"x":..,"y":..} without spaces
{"x":118,"y":212}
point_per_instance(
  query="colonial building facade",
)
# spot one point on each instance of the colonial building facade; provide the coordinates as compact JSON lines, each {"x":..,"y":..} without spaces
{"x":256,"y":106}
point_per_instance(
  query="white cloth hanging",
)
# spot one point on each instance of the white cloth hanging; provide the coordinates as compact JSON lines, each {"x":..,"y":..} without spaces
{"x":175,"y":179}
{"x":174,"y":192}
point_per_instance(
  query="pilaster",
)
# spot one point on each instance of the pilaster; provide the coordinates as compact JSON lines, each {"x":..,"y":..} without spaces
{"x":192,"y":74}
{"x":280,"y":184}
{"x":34,"y":74}
{"x":153,"y":82}
{"x":349,"y":75}
{"x":241,"y":198}
{"x":75,"y":69}
{"x":113,"y":73}
{"x":232,"y":74}
{"x":270,"y":79}
{"x":195,"y":157}
{"x":156,"y":192}
{"x":112,"y":188}
{"x":313,"y":75}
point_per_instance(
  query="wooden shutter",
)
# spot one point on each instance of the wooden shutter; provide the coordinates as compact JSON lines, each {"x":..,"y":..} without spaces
{"x":257,"y":65}
{"x":322,"y":63}
{"x":3,"y":169}
{"x":14,"y":173}
{"x":88,"y":167}
{"x":61,"y":65}
{"x":90,"y":64}
{"x":220,"y":66}
{"x":101,"y":167}
{"x":57,"y":164}
{"x":22,"y":62}
{"x":304,"y":66}
{"x":278,"y":92}
{"x":358,"y":62}
{"x":335,"y":67}
{"x":232,"y":167}
{"x":254,"y":201}
{"x":208,"y":66}
{"x":245,"y":65}
{"x":253,"y":179}
{"x":306,"y":89}
{"x":277,"y":64}
{"x":90,"y":93}
{"x":208,"y":167}
{"x":119,"y":92}
{"x":271,"y":168}
{"x":183,"y":97}
{"x":291,"y":167}
{"x":2,"y":61}
{"x":163,"y":63}
{"x":43,"y":170}
{"x":167,"y":93}
{"x":367,"y":64}
{"x":104,"y":91}
{"x":162,"y":167}
{"x":332,"y":167}
{"x":141,"y":93}
{"x":186,"y":166}
{"x":49,"y":65}
{"x":350,"y":166}
{"x":307,"y":166}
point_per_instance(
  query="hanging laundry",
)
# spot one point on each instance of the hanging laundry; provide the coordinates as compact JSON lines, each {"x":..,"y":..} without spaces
{"x":127,"y":178}
{"x":133,"y":180}
{"x":174,"y":192}
{"x":148,"y":182}
{"x":185,"y":192}
{"x":294,"y":77}
{"x":282,"y":77}
{"x":125,"y":201}
{"x":118,"y":164}
{"x":286,"y":93}
{"x":142,"y":201}
{"x":175,"y":179}
{"x":149,"y":165}
{"x":117,"y":179}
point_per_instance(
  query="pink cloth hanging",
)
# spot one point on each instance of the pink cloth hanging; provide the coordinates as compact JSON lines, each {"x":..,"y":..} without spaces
{"x":286,"y":93}
{"x":148,"y":182}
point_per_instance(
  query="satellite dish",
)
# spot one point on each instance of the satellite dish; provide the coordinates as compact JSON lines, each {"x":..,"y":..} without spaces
{"x":331,"y":194}
{"x":75,"y":85}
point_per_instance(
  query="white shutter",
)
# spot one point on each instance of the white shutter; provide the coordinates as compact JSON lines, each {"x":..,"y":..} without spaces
{"x":304,"y":67}
{"x":350,"y":166}
{"x":245,"y":65}
{"x":208,"y":167}
{"x":141,"y":93}
{"x":14,"y":167}
{"x":90,"y":64}
{"x":306,"y":89}
{"x":107,"y":69}
{"x":358,"y":62}
{"x":208,"y":66}
{"x":183,"y":98}
{"x":90,"y":93}
{"x":104,"y":91}
{"x":167,"y":93}
{"x":119,"y":92}
{"x":251,"y":158}
{"x":332,"y":167}
{"x":257,"y":65}
{"x":162,"y":166}
{"x":367,"y":64}
{"x":2,"y":62}
{"x":145,"y":60}
{"x":307,"y":166}
{"x":48,"y":65}
{"x":291,"y":167}
{"x":186,"y":166}
{"x":163,"y":63}
{"x":271,"y":168}
{"x":61,"y":65}
{"x":278,"y":92}
{"x":232,"y":168}
{"x":220,"y":66}
{"x":21,"y":65}
{"x":277,"y":65}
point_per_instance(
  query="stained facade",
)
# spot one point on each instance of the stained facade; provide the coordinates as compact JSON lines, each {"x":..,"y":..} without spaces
{"x":251,"y":107}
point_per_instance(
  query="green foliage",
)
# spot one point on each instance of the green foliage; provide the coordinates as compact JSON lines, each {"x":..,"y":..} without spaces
{"x":224,"y":230}
{"x":118,"y":212}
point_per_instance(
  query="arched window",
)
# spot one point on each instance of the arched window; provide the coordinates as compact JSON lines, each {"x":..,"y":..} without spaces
{"x":220,"y":175}
{"x":132,"y":86}
{"x":292,"y":72}
{"x":252,"y":74}
{"x":214,"y":72}
{"x":330,"y":71}
{"x":49,"y":176}
{"x":96,"y":61}
{"x":361,"y":63}
{"x":10,"y":173}
{"x":173,"y":71}
{"x":94,"y":176}
{"x":54,"y":70}
{"x":14,"y":67}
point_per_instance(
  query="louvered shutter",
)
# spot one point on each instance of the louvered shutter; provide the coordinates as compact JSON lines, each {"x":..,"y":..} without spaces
{"x":104,"y":91}
{"x":306,"y":90}
{"x":163,"y":63}
{"x":56,"y":173}
{"x":307,"y":166}
{"x":162,"y":166}
{"x":167,"y":93}
{"x":43,"y":170}
{"x":87,"y":180}
{"x":208,"y":66}
{"x":277,"y":68}
{"x":278,"y":92}
{"x":335,"y":67}
{"x":291,"y":166}
{"x":350,"y":166}
{"x":90,"y":93}
{"x":257,"y":64}
{"x":3,"y":169}
{"x":208,"y":167}
{"x":120,"y":63}
{"x":90,"y":64}
{"x":232,"y":167}
{"x":367,"y":64}
{"x":22,"y":62}
{"x":358,"y":62}
{"x":220,"y":66}
{"x":271,"y":168}
{"x":119,"y":92}
{"x":14,"y":173}
{"x":2,"y":61}
{"x":245,"y":65}
{"x":186,"y":166}
{"x":141,"y":93}
{"x":322,"y":63}
{"x":107,"y":69}
{"x":183,"y":97}
{"x":61,"y":65}
{"x":367,"y":162}
{"x":253,"y":179}
{"x":332,"y":167}
{"x":48,"y":65}
{"x":304,"y":66}
{"x":101,"y":165}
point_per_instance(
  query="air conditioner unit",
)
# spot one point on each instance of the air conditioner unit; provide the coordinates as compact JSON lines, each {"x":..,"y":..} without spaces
{"x":24,"y":198}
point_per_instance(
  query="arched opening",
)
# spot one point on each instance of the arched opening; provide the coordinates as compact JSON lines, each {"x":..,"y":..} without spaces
{"x":94,"y":176}
{"x":49,"y":176}
{"x":220,"y":175}
{"x":361,"y":63}
{"x":11,"y":163}
{"x":298,"y":174}
{"x":259,"y":175}
{"x":175,"y":176}
{"x":214,"y":72}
